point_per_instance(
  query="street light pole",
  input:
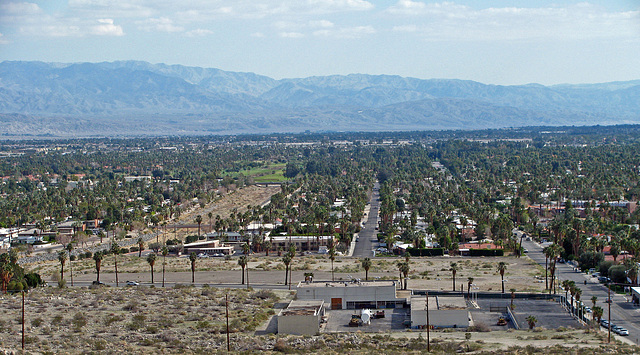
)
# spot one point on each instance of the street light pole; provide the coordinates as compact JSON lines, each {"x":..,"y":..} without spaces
{"x":428,"y":326}
{"x":609,"y":303}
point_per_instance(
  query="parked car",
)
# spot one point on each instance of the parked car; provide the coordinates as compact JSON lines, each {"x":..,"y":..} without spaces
{"x":604,"y":323}
{"x":133,"y":283}
{"x":587,"y":309}
{"x":622,"y":331}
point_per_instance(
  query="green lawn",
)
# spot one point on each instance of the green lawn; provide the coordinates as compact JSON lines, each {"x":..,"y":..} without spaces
{"x":270,"y":173}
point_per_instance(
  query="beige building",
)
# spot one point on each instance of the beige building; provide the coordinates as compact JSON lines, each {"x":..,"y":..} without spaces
{"x":301,"y":317}
{"x":444,"y":311}
{"x":355,"y":294}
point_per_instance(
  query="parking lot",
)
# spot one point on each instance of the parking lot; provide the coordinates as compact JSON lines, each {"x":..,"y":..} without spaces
{"x":549,"y":313}
{"x":338,"y":321}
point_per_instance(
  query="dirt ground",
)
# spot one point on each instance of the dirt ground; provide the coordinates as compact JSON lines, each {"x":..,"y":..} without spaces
{"x":431,"y":273}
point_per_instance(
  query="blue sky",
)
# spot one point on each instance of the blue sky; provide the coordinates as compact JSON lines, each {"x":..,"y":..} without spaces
{"x":494,"y":42}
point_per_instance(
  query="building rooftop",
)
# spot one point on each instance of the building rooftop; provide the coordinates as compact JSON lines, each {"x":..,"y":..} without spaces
{"x":439,"y":302}
{"x":352,"y":283}
{"x":302,"y":307}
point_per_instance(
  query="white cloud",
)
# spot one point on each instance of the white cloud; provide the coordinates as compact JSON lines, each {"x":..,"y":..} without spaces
{"x":291,"y":35}
{"x":257,"y":35}
{"x":162,"y":24}
{"x":321,"y":24}
{"x":198,"y":33}
{"x":3,"y":40}
{"x":106,"y":28}
{"x":450,"y":21}
{"x":346,"y":32}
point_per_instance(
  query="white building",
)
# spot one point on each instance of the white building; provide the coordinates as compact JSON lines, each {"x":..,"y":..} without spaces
{"x":301,"y":317}
{"x":444,"y":311}
{"x":353,"y":294}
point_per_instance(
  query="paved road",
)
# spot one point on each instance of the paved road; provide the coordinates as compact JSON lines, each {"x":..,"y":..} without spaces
{"x":367,"y":239}
{"x":623,"y":313}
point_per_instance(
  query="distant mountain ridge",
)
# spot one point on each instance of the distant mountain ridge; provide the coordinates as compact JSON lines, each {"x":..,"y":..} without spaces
{"x":133,"y":97}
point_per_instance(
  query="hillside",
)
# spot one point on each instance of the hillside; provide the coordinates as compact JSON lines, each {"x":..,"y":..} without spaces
{"x":139,"y":98}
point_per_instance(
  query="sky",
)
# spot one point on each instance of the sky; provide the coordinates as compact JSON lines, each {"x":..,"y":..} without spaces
{"x":493,"y":42}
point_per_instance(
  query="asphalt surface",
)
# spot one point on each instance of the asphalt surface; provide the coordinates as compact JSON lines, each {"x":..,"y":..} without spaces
{"x":623,"y":313}
{"x":367,"y":236}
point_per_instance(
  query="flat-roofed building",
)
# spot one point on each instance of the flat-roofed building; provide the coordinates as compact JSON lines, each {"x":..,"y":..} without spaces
{"x":355,"y":294}
{"x":302,"y":242}
{"x":209,"y":247}
{"x":444,"y":311}
{"x":301,"y":317}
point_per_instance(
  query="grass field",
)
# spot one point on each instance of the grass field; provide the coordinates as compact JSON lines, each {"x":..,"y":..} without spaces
{"x":270,"y":173}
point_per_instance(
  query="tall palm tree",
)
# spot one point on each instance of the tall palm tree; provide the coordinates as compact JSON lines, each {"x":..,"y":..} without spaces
{"x":594,"y":299}
{"x":454,"y":270}
{"x":97,"y":257}
{"x":598,"y":313}
{"x":513,"y":296}
{"x":69,"y":250}
{"x":267,"y":246}
{"x":62,"y":258}
{"x":404,"y":268}
{"x":502,"y":267}
{"x":199,"y":221}
{"x":140,"y":246}
{"x":332,"y":257}
{"x":366,"y":265}
{"x":165,"y":252}
{"x":531,"y":320}
{"x":286,"y":260}
{"x":246,"y":248}
{"x":151,"y":259}
{"x":242,"y":261}
{"x":115,"y":249}
{"x":192,"y":259}
{"x":469,"y":283}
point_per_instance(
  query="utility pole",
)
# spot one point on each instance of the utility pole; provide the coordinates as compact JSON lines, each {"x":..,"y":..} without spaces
{"x":226,"y":306}
{"x":22,"y":320}
{"x":428,"y":326}
{"x":609,"y":302}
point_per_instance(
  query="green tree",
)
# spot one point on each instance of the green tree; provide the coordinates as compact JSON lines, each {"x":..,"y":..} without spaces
{"x":62,"y":258}
{"x":454,"y":271}
{"x":97,"y":257}
{"x":69,"y":248}
{"x":199,"y":221}
{"x":332,"y":257}
{"x":192,"y":259}
{"x":502,"y":267}
{"x":531,"y":320}
{"x":140,"y":246}
{"x":469,"y":284}
{"x":286,"y":260}
{"x":151,"y":259}
{"x":242,"y":261}
{"x":366,"y":265}
{"x":115,"y":249}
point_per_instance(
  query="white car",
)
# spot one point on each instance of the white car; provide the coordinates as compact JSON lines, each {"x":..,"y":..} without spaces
{"x":133,"y":283}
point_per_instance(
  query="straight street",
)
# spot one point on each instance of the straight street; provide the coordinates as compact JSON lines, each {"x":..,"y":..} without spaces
{"x":367,"y":236}
{"x":623,"y":313}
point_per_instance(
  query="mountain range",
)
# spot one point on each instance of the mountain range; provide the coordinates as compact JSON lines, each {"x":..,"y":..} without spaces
{"x":140,"y":98}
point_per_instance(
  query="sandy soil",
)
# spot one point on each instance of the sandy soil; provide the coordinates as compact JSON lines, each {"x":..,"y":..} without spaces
{"x":426,"y":273}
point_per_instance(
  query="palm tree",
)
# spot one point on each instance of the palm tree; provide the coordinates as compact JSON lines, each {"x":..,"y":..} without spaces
{"x":246,"y":248}
{"x":531,"y":320}
{"x":199,"y":221}
{"x":242,"y":261}
{"x":267,"y":246}
{"x":115,"y":249}
{"x":210,"y":215}
{"x":151,"y":259}
{"x":404,"y":269}
{"x":97,"y":257}
{"x":469,"y":283}
{"x":165,"y":252}
{"x":286,"y":260}
{"x":332,"y":257}
{"x":502,"y":267}
{"x":594,"y":299}
{"x":140,"y":246}
{"x":366,"y":265}
{"x":62,"y":258}
{"x":192,"y":258}
{"x":597,"y":313}
{"x":454,"y":270}
{"x":513,"y":296}
{"x":69,"y":249}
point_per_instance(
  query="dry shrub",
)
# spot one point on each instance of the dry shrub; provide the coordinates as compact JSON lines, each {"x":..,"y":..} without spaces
{"x":479,"y":327}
